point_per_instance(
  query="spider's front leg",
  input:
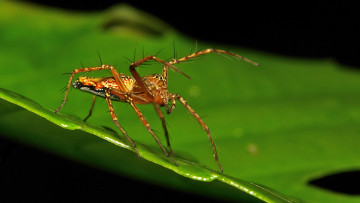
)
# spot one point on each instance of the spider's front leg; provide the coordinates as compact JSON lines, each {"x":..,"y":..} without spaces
{"x":138,"y":77}
{"x":149,"y":95}
{"x":207,"y":51}
{"x":199,"y":53}
{"x":115,"y":120}
{"x":175,"y":97}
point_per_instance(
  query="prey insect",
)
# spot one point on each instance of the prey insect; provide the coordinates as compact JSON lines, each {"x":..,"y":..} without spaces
{"x":135,"y":90}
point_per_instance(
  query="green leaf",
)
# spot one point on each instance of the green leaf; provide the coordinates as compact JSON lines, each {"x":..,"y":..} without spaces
{"x":186,"y":168}
{"x":281,"y":125}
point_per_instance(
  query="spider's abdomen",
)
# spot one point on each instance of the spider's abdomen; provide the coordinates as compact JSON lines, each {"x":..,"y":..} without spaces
{"x":155,"y":83}
{"x":97,"y":86}
{"x":107,"y":82}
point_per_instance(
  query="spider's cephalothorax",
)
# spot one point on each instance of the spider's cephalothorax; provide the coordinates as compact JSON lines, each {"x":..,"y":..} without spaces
{"x":157,"y":86}
{"x":151,"y":89}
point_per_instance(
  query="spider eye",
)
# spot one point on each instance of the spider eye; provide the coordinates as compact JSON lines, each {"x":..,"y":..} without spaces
{"x":77,"y":85}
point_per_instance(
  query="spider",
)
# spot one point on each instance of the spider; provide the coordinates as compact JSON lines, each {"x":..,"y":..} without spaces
{"x":151,"y":89}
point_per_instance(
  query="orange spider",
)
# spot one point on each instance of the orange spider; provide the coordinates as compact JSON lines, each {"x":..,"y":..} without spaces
{"x":151,"y":89}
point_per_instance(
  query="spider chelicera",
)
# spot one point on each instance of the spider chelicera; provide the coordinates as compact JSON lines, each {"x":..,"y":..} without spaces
{"x":151,"y":89}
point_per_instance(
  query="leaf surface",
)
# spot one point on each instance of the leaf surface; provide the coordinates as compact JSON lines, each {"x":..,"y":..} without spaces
{"x":281,"y":125}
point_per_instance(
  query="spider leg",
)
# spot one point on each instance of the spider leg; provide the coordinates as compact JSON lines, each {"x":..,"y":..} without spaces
{"x":202,"y":123}
{"x":115,"y":120}
{"x":147,"y":125}
{"x":173,"y":103}
{"x":138,"y":77}
{"x":196,"y":54}
{"x":207,"y":51}
{"x":161,"y":116}
{"x":91,"y":109}
{"x":102,"y":67}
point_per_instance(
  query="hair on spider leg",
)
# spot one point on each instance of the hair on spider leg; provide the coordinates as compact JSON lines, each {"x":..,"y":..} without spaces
{"x":174,"y":49}
{"x":129,"y":61}
{"x":168,"y":58}
{"x":196,"y":45}
{"x":157,"y":53}
{"x":148,"y":63}
{"x":82,"y":65}
{"x":84,"y":73}
{"x":63,"y":89}
{"x":191,"y":60}
{"x":231,"y":57}
{"x":200,"y":57}
{"x":155,"y":131}
{"x":101,"y":63}
{"x":134,"y":55}
{"x":228,"y":57}
{"x":66,"y":73}
{"x":143,"y":51}
{"x":195,"y":50}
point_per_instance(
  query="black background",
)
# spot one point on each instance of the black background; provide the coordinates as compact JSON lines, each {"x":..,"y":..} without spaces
{"x":293,"y":29}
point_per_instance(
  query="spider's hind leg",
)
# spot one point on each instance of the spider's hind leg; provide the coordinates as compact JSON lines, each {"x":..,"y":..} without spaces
{"x":202,"y":123}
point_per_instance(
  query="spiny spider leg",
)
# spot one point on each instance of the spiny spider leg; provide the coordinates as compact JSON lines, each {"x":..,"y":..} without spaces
{"x":144,"y":90}
{"x":115,"y":92}
{"x":91,"y":109}
{"x":122,"y":94}
{"x":147,"y":125}
{"x":115,"y":120}
{"x":102,"y":67}
{"x":138,"y":77}
{"x":172,"y":107}
{"x":147,"y":91}
{"x":193,"y":55}
{"x":202,"y":123}
{"x":161,"y":116}
{"x":210,"y":50}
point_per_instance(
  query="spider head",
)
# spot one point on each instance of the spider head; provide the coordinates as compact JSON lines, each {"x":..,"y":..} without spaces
{"x":77,"y":84}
